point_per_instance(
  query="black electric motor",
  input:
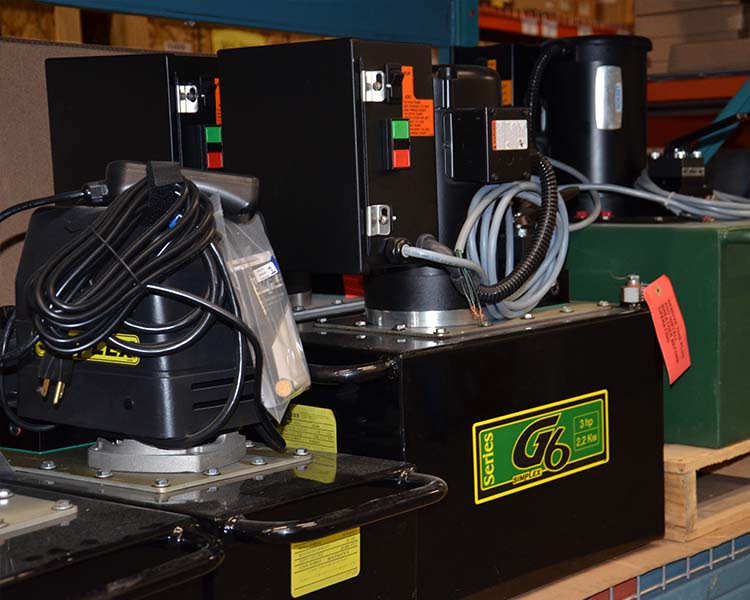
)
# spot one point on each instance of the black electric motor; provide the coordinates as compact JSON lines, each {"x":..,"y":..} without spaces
{"x":594,"y":95}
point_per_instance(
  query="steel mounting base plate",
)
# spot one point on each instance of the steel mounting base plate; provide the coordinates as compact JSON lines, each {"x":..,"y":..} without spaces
{"x":72,"y":465}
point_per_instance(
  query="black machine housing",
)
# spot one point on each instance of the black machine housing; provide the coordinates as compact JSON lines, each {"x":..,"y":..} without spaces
{"x":105,"y":108}
{"x":424,"y":408}
{"x":111,"y":393}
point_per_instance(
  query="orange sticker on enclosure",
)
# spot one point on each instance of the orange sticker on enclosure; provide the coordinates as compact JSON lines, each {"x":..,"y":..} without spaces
{"x":217,"y":98}
{"x":669,"y":325}
{"x":421,"y":113}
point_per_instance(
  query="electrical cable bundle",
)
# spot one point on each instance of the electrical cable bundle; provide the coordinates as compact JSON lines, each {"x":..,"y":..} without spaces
{"x":85,"y":293}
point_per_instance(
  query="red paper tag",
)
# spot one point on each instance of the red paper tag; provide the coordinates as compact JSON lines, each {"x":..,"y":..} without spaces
{"x":669,"y":325}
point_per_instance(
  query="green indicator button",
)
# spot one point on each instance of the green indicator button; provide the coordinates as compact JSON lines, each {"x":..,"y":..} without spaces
{"x":213,"y":134}
{"x":400,"y":129}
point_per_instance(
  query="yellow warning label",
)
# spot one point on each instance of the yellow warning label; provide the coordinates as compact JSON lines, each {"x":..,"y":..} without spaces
{"x":310,"y":427}
{"x":506,"y":87}
{"x":102,"y":352}
{"x":324,"y":562}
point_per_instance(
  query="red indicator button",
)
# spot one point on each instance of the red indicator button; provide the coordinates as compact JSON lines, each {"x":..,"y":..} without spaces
{"x":401,"y":159}
{"x":215,"y":160}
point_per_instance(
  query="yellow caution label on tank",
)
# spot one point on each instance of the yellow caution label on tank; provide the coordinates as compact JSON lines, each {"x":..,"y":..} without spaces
{"x":310,"y":427}
{"x":102,"y":352}
{"x":324,"y":562}
{"x":315,"y":429}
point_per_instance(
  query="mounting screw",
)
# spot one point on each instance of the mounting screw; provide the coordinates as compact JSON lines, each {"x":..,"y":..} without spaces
{"x":399,"y":327}
{"x":160,"y":483}
{"x":440,"y":331}
{"x":484,"y":323}
{"x":62,"y":505}
{"x":298,"y":308}
{"x":322,"y":320}
{"x":103,"y":473}
{"x":301,"y":452}
{"x":696,"y":154}
{"x":400,"y":340}
{"x":360,"y":323}
{"x":655,"y":155}
{"x":528,"y":317}
{"x":249,"y":444}
{"x":259,"y":477}
{"x":602,"y":303}
{"x":258,"y":461}
{"x":48,"y":465}
{"x":565,"y":309}
{"x":212,"y":472}
{"x":360,"y":336}
{"x":5,"y":493}
{"x":337,"y":301}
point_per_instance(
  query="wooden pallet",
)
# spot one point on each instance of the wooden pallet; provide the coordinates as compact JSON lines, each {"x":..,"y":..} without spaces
{"x":705,"y":488}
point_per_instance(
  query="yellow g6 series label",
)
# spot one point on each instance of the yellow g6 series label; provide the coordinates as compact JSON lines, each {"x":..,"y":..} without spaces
{"x":531,"y":447}
{"x":102,"y":352}
{"x":326,"y":561}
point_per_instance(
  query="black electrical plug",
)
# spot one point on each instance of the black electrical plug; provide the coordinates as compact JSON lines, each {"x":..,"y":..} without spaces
{"x":55,"y":373}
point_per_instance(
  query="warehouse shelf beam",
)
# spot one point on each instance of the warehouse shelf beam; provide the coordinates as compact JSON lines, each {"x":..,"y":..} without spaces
{"x":440,"y":23}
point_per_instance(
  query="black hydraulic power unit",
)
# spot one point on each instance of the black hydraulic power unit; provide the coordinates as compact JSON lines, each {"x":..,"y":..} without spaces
{"x":548,"y":431}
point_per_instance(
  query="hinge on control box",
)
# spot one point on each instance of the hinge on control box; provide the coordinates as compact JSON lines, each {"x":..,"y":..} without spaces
{"x":373,"y":86}
{"x":187,"y":98}
{"x":378,"y":220}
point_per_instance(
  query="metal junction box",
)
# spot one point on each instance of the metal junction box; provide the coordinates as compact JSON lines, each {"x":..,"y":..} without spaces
{"x":709,"y":265}
{"x":548,"y":433}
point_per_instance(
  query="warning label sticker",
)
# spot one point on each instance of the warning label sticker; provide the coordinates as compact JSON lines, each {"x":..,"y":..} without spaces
{"x":310,"y":427}
{"x":531,"y":447}
{"x":324,"y":562}
{"x":421,"y":113}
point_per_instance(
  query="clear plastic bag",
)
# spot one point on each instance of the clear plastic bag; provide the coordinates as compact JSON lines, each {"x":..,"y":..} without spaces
{"x":265,"y":307}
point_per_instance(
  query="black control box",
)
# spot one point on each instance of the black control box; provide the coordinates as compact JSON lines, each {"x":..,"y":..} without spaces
{"x":136,"y":107}
{"x":487,"y":145}
{"x":682,"y":172}
{"x":341,"y":135}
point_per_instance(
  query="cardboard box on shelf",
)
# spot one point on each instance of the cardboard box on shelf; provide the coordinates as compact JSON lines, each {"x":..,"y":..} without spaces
{"x":653,"y":7}
{"x":586,"y":10}
{"x":727,"y":55}
{"x":663,"y":45}
{"x":658,"y":67}
{"x":566,"y":8}
{"x":618,"y":12}
{"x":689,"y":22}
{"x":542,"y":6}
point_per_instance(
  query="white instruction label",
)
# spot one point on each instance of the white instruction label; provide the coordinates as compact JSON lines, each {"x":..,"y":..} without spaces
{"x":510,"y":134}
{"x":265,"y":271}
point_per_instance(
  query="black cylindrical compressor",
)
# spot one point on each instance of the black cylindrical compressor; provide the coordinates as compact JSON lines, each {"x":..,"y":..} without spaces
{"x":594,"y":99}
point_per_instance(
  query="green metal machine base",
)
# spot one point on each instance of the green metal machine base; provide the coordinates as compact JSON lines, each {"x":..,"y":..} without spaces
{"x":709,"y":265}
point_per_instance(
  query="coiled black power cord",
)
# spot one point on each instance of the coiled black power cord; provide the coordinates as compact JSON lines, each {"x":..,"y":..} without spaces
{"x":94,"y":282}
